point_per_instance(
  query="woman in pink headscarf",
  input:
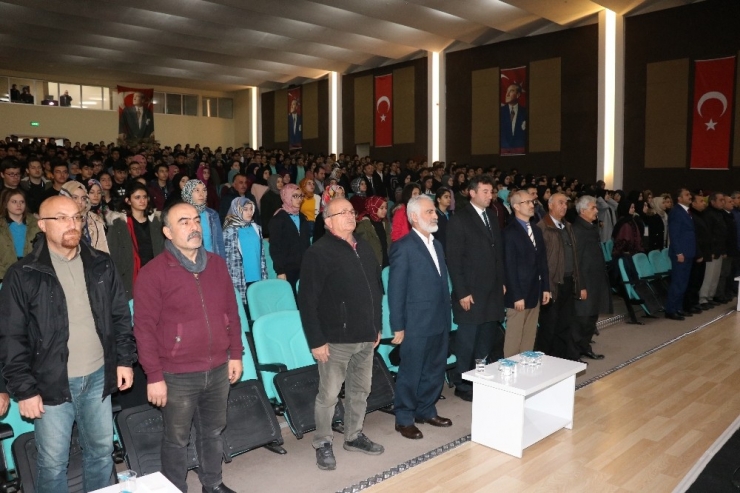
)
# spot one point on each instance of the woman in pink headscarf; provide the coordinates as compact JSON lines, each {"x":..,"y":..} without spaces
{"x":290,"y":235}
{"x":204,"y":175}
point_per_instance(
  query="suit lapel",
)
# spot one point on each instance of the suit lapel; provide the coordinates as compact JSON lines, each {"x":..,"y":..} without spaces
{"x":420,"y":244}
{"x":475,"y":217}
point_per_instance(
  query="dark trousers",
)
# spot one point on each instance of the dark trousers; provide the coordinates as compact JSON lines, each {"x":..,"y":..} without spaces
{"x":476,"y":342}
{"x":555,"y":336}
{"x":420,"y":378}
{"x":198,"y":398}
{"x":585,"y":330}
{"x":680,"y":273}
{"x":691,"y":298}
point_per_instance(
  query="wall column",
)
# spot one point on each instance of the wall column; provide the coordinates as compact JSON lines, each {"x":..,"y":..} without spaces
{"x":436,"y":111}
{"x":335,"y":113}
{"x":256,"y":118}
{"x":610,"y":131}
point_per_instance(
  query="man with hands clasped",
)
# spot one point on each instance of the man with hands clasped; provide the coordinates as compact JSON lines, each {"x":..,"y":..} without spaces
{"x":66,"y":345}
{"x":189,"y":338}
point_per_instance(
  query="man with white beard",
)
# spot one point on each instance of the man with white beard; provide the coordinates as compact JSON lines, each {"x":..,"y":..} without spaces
{"x":419,"y":302}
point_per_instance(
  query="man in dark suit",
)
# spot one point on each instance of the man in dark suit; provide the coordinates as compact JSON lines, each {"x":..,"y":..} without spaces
{"x":682,"y":250}
{"x":66,"y":99}
{"x":374,"y":182}
{"x":703,"y":255}
{"x":419,"y":303}
{"x":136,"y":121}
{"x":527,"y":279}
{"x":475,"y":260}
{"x":513,"y":120}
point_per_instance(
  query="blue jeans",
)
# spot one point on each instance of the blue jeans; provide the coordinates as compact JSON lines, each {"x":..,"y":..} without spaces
{"x":198,"y":398}
{"x":95,"y":427}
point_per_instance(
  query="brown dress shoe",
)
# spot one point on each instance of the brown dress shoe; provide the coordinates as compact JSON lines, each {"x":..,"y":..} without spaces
{"x":436,"y":421}
{"x":409,"y":431}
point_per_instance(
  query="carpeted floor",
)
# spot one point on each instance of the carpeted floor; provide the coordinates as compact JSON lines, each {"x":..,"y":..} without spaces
{"x":263,"y":471}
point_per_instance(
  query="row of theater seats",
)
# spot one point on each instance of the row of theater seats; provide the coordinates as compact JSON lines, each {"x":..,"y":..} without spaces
{"x":640,"y":279}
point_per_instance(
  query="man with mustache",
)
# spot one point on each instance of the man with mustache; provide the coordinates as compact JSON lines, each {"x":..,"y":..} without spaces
{"x":66,"y":345}
{"x":189,"y":339}
{"x":420,"y":315}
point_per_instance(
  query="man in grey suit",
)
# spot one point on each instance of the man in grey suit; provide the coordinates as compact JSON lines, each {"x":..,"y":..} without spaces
{"x":419,"y":303}
{"x":475,"y":262}
{"x":136,"y":121}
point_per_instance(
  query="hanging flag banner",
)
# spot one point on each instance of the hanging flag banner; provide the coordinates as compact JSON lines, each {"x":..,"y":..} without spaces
{"x":295,"y":119}
{"x":514,"y":114}
{"x":135,"y":114}
{"x":384,"y":110}
{"x":714,"y":82}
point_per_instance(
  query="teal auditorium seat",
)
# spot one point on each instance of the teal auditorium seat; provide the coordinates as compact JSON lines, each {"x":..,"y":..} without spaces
{"x":19,"y":425}
{"x":666,"y":260}
{"x":607,"y":248}
{"x":269,"y":296}
{"x":280,"y":345}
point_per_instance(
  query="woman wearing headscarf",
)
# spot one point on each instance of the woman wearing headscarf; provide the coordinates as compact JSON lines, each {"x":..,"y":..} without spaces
{"x":373,"y":226}
{"x":245,"y":256}
{"x":330,"y":192}
{"x":98,"y":206}
{"x":93,"y":228}
{"x":359,"y":188}
{"x":657,"y":224}
{"x":134,"y":236}
{"x":259,"y":185}
{"x":270,"y":202}
{"x":443,"y":201}
{"x":400,"y":226}
{"x":195,"y":194}
{"x":204,"y":175}
{"x":626,"y":233}
{"x":311,"y":202}
{"x":607,"y":208}
{"x":290,"y":236}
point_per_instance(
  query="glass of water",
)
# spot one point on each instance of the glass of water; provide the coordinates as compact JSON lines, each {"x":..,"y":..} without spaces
{"x":480,"y":365}
{"x":127,"y":481}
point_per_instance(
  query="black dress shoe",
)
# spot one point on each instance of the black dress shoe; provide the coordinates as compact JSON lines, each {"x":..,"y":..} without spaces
{"x":682,"y":313}
{"x":222,"y":488}
{"x":435,"y":421}
{"x":706,"y":306}
{"x":695,"y":310}
{"x":466,"y":395}
{"x":592,"y":355}
{"x":674,"y":316}
{"x":410,"y":431}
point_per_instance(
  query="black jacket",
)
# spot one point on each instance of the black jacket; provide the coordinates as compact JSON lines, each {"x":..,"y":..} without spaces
{"x":341,"y":293}
{"x":35,"y":331}
{"x":732,"y":246}
{"x":288,"y":243}
{"x":703,"y":238}
{"x":717,"y":230}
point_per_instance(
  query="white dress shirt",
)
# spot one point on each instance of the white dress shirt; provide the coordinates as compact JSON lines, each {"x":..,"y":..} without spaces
{"x":429,"y":243}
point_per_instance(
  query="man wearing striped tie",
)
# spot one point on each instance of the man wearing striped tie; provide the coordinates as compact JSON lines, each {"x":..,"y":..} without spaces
{"x":526,"y":276}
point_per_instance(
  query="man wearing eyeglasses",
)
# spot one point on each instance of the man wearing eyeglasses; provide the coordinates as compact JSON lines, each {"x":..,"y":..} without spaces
{"x":10,"y":170}
{"x":527,"y":279}
{"x":66,"y":345}
{"x":340,"y":304}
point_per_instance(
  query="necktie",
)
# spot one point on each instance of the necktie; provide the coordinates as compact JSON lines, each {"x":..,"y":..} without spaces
{"x":531,"y":234}
{"x":138,"y":116}
{"x":512,"y":115}
{"x":485,"y":220}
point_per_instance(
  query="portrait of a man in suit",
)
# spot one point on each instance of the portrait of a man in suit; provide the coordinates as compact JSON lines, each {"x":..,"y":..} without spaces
{"x":513,"y":122}
{"x":295,"y":126}
{"x":136,"y":121}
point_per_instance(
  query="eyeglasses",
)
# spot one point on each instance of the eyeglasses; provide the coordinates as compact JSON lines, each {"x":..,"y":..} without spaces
{"x":65,"y":219}
{"x":524,"y":202}
{"x":12,"y":175}
{"x":346,"y":212}
{"x":297,"y":196}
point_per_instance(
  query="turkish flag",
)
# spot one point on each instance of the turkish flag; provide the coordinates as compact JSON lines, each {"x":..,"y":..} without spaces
{"x":384,"y":110}
{"x":713,"y":103}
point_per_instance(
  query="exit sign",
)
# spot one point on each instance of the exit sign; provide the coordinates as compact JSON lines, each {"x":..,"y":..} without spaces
{"x":34,"y":124}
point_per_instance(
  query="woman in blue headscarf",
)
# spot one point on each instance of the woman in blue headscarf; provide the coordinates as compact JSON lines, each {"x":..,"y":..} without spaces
{"x":194,"y":193}
{"x":245,"y":256}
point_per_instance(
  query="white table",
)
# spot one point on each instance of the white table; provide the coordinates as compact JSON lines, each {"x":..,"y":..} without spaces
{"x":738,"y":296}
{"x":151,"y":483}
{"x":512,"y":413}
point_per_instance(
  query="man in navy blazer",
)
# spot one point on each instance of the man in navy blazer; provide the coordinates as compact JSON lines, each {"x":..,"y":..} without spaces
{"x":419,"y":303}
{"x":682,"y":250}
{"x":526,"y":276}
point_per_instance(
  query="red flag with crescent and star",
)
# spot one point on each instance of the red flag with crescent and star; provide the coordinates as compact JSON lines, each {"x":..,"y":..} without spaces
{"x":384,"y":110}
{"x":712,"y":110}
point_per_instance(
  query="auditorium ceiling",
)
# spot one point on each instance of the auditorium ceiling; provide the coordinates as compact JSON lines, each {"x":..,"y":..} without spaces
{"x":233,"y":44}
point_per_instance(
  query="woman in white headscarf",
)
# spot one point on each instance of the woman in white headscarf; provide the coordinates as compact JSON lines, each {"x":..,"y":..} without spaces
{"x":245,"y":255}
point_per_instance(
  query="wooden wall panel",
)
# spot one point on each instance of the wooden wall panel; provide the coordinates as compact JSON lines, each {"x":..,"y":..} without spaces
{"x":485,"y":135}
{"x":545,"y":105}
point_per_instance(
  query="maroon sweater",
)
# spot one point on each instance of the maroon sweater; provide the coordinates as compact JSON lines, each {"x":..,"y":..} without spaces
{"x":184,"y":323}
